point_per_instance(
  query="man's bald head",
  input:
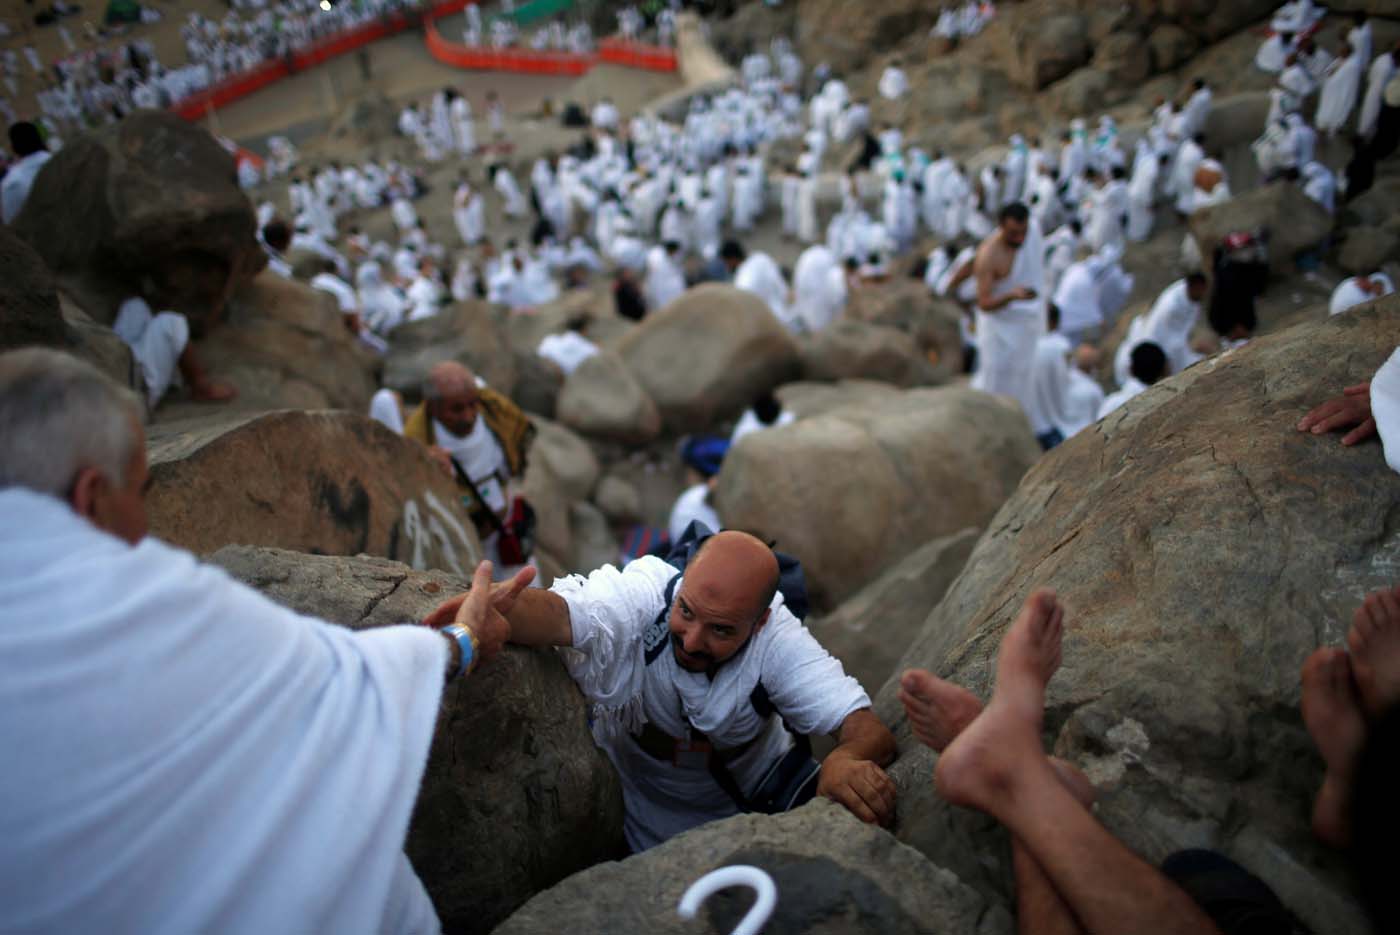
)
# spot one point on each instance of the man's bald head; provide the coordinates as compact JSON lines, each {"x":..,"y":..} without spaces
{"x":1086,"y":358}
{"x":452,"y":397}
{"x":723,"y":599}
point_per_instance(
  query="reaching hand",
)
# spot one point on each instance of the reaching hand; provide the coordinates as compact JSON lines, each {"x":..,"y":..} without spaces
{"x":1351,"y":410}
{"x":859,"y":785}
{"x":503,"y":597}
{"x":476,"y":612}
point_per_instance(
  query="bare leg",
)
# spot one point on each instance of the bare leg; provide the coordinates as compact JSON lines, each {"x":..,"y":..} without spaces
{"x":201,"y":387}
{"x":1332,"y":713}
{"x":1374,"y":641}
{"x":938,"y":711}
{"x":997,"y":766}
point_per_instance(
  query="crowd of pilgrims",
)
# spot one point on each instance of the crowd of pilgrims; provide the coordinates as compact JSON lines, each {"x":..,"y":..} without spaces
{"x":661,"y":205}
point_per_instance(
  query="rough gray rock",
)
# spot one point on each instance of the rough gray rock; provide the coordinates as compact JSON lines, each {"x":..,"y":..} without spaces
{"x":1170,"y":45}
{"x":1236,"y":120}
{"x":537,"y":385}
{"x":708,"y":354}
{"x":870,"y":631}
{"x":562,"y":471}
{"x":603,"y":400}
{"x":856,"y":350}
{"x":467,"y":332}
{"x":1294,"y":221}
{"x":148,"y":206}
{"x":332,"y":483}
{"x":932,"y":322}
{"x":29,"y":312}
{"x":594,"y":545}
{"x":1367,"y":249}
{"x":852,"y":492}
{"x":619,"y":500}
{"x":1200,"y":562}
{"x":833,"y":874}
{"x":516,"y":796}
{"x":811,"y":399}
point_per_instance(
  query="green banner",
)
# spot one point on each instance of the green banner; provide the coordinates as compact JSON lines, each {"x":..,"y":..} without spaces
{"x":527,"y":13}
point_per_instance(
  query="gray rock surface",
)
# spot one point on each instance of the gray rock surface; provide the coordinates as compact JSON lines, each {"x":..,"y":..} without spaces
{"x":516,"y":796}
{"x":852,"y":492}
{"x":468,"y":332}
{"x":833,"y":874}
{"x":871,"y":630}
{"x":332,"y":483}
{"x":603,"y":400}
{"x":1294,"y":221}
{"x":856,"y":350}
{"x":1203,"y":548}
{"x":708,"y":354}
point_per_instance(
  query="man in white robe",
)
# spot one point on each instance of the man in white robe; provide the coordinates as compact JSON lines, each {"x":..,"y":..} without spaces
{"x":819,"y":288}
{"x":1382,"y":70}
{"x":1009,"y":273}
{"x":1339,"y":92}
{"x":665,"y":280}
{"x":202,"y":758}
{"x":1077,"y":298}
{"x":760,"y":274}
{"x":463,"y":129}
{"x":1084,"y":397}
{"x":1358,"y":290}
{"x":1168,"y":325}
{"x":1183,"y":184}
{"x":157,"y":340}
{"x":660,"y":652}
{"x":30,"y":156}
{"x":1197,"y":109}
{"x":469,"y":213}
{"x":504,"y":182}
{"x":1147,"y":365}
{"x":1048,"y":400}
{"x":1142,"y":192}
{"x":894,"y":84}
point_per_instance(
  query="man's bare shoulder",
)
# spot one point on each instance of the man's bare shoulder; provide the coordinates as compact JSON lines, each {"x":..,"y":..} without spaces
{"x":989,"y":250}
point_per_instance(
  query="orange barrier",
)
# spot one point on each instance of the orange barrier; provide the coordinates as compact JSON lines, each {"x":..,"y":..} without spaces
{"x":637,"y":55}
{"x":237,"y":86}
{"x":528,"y":61}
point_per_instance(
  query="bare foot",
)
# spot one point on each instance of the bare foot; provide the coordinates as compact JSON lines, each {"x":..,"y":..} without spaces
{"x":981,"y":764}
{"x":212,"y":391}
{"x":938,"y":710}
{"x":1374,"y":641}
{"x":1332,"y":712}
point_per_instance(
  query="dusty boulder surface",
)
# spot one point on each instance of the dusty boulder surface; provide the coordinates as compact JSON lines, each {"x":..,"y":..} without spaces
{"x":870,"y":631}
{"x":467,"y":332}
{"x":331,"y":483}
{"x":932,"y":322}
{"x":856,"y":350}
{"x":1294,"y":221}
{"x":853,"y":491}
{"x":708,"y":354}
{"x":603,"y":400}
{"x":150,"y":205}
{"x":1203,"y":548}
{"x":516,"y":795}
{"x":29,"y":311}
{"x":283,"y":345}
{"x":833,"y":874}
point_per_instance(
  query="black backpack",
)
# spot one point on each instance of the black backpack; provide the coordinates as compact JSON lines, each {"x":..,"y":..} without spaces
{"x":792,"y":780}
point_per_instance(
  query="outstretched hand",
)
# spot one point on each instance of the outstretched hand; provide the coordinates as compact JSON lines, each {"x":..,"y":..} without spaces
{"x":503,"y":597}
{"x":1351,"y":410}
{"x":860,"y":785}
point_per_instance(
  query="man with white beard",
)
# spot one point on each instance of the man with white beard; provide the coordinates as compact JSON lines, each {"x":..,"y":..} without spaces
{"x":665,"y":281}
{"x":1339,"y":92}
{"x":819,"y":288}
{"x":1009,"y":270}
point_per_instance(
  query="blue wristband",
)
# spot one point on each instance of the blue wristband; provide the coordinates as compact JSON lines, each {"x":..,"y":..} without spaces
{"x":466,"y":641}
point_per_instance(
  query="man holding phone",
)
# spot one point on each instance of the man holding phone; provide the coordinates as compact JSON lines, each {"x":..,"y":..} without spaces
{"x":1010,"y":273}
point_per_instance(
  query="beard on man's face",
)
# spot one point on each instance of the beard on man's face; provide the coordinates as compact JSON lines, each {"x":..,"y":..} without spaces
{"x":694,"y":662}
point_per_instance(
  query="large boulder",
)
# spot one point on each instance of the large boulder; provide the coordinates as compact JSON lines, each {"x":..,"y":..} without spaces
{"x":708,"y":354}
{"x":1044,"y":50}
{"x":847,"y":36}
{"x":603,"y":400}
{"x":871,"y":630}
{"x":855,"y":350}
{"x":852,"y":492}
{"x":1208,"y":19}
{"x":516,"y":796}
{"x":148,"y":206}
{"x":1234,"y":121}
{"x":1170,"y":46}
{"x":1200,"y":562}
{"x":833,"y":874}
{"x":468,"y":332}
{"x":1295,"y":223}
{"x":562,"y":471}
{"x":283,"y":345}
{"x":29,"y":311}
{"x":333,"y":483}
{"x":1123,"y":57}
{"x":905,"y":303}
{"x":1367,"y":249}
{"x":804,"y":399}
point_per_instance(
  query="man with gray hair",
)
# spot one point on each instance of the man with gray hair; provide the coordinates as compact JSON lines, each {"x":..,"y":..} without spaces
{"x":182,"y":754}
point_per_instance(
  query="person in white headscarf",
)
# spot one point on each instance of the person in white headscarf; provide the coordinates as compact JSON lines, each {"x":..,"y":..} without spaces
{"x":1320,"y":185}
{"x":1358,"y":290}
{"x":819,"y":288}
{"x":1339,"y":92}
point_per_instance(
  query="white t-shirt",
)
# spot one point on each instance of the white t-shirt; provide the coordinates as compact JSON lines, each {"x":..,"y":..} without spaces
{"x":613,"y":614}
{"x":481,"y":458}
